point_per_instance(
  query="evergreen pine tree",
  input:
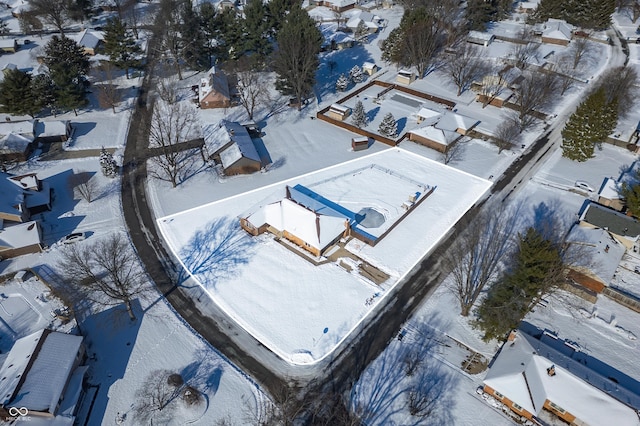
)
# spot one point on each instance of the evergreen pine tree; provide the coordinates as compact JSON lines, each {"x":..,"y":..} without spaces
{"x":256,"y":28}
{"x":296,"y":60}
{"x":592,"y":123}
{"x":359,"y":116}
{"x":69,"y":91}
{"x":538,"y":269}
{"x":356,"y":75}
{"x":630,"y":192}
{"x":16,"y":94}
{"x":342,"y":83}
{"x":388,"y":126}
{"x":44,"y":91}
{"x":361,"y":33}
{"x":120,"y":46}
{"x":194,"y":48}
{"x":68,"y":66}
{"x":108,"y":164}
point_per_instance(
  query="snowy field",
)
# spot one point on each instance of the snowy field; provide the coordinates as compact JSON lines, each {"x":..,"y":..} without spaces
{"x":299,"y":310}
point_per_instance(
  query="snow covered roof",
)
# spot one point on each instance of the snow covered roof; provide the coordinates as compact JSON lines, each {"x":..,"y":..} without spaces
{"x":340,"y":3}
{"x":7,"y":43}
{"x":215,"y":82}
{"x":452,"y":122}
{"x":20,"y":235}
{"x":443,"y":137}
{"x":428,"y":116}
{"x":231,"y":140}
{"x":8,"y":66}
{"x":89,"y":39}
{"x":14,"y":143}
{"x":26,"y":181}
{"x":557,"y":29}
{"x":606,"y":218}
{"x":609,"y":189}
{"x":599,"y":252}
{"x":315,"y":229}
{"x":478,"y":35}
{"x":368,"y":66}
{"x":370,"y":20}
{"x":520,"y":372}
{"x":25,"y":128}
{"x":51,"y":128}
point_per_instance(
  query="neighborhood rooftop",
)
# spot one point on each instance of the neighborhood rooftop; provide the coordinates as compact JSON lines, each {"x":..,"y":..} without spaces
{"x":611,"y":220}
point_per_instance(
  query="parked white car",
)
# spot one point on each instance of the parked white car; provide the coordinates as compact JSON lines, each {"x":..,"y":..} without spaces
{"x":584,"y":185}
{"x":74,"y":238}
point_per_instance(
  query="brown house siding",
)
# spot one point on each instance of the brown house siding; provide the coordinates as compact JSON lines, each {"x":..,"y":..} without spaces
{"x":566,"y":416}
{"x":586,"y":281}
{"x":300,"y":243}
{"x":14,"y":252}
{"x":506,"y":401}
{"x":555,"y":41}
{"x":243,"y":166}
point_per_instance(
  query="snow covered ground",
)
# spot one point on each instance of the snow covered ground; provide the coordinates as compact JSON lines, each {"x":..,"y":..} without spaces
{"x":299,"y":310}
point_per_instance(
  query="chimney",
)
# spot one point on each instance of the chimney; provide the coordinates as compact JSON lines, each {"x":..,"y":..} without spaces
{"x":551,"y":371}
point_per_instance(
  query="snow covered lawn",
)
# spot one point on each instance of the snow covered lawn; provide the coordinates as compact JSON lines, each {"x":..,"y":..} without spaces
{"x":299,"y":310}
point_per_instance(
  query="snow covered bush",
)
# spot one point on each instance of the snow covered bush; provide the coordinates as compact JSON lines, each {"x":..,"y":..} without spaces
{"x":342,"y":83}
{"x":356,"y":75}
{"x":388,"y":126}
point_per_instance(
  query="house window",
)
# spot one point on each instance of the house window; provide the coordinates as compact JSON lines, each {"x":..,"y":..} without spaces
{"x":557,"y":408}
{"x":516,"y":407}
{"x":498,"y":394}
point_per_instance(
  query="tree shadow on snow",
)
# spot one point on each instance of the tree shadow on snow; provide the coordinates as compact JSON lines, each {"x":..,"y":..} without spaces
{"x":406,"y":369}
{"x":216,"y":251}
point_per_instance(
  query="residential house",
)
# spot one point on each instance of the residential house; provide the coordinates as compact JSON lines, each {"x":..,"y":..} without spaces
{"x":527,"y":6}
{"x":8,"y":67}
{"x":334,"y":39}
{"x":440,"y":131}
{"x":90,"y":41}
{"x":497,"y":89}
{"x":597,"y":256}
{"x":22,"y":196}
{"x":625,"y":229}
{"x":214,"y":90}
{"x":53,"y":131}
{"x":557,"y":31}
{"x":609,"y":196}
{"x":43,"y":373}
{"x":20,"y":239}
{"x":16,"y":140}
{"x":8,"y":45}
{"x":303,"y":218}
{"x":549,"y":378}
{"x":229,"y":144}
{"x":371,"y":21}
{"x":335,"y":5}
{"x":480,"y":38}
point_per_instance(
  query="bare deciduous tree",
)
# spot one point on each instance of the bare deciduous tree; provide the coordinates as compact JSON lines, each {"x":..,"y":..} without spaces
{"x":251,"y":85}
{"x":522,"y":54}
{"x":507,"y":133}
{"x":534,"y":92}
{"x":107,"y":271}
{"x":422,"y":41}
{"x":154,"y":398}
{"x":495,"y":82}
{"x":454,"y":151}
{"x":475,"y":257}
{"x":564,"y":73}
{"x":54,"y":12}
{"x":580,"y":49}
{"x":82,"y":184}
{"x":109,"y":95}
{"x":465,"y":66}
{"x":170,"y":125}
{"x":621,"y":84}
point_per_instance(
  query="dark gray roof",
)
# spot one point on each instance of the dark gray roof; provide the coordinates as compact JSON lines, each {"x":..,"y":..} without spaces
{"x":604,"y":217}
